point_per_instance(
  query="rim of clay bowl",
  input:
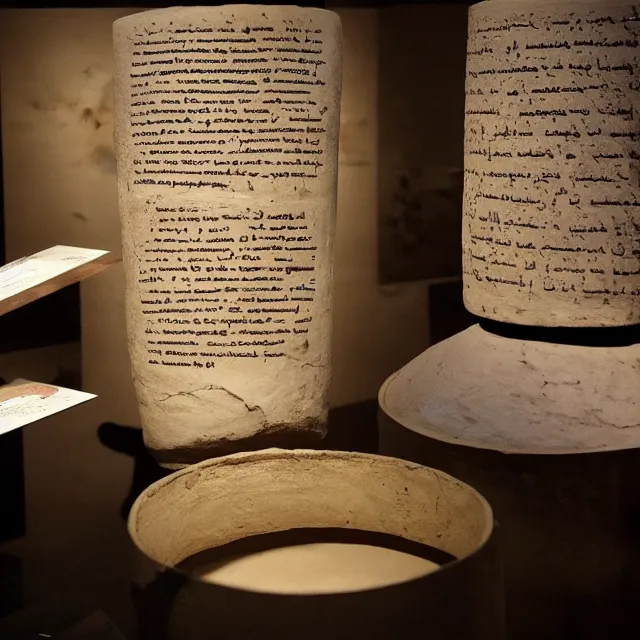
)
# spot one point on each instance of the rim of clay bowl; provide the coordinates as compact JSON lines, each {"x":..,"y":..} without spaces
{"x":242,"y":495}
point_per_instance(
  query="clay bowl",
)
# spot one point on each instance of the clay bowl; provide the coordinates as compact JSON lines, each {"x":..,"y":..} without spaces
{"x":232,"y":505}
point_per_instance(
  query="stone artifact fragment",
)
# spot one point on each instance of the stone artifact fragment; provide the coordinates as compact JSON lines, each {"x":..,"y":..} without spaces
{"x":227,"y":131}
{"x":520,"y":396}
{"x":537,"y":406}
{"x":233,"y":505}
{"x":551,"y":229}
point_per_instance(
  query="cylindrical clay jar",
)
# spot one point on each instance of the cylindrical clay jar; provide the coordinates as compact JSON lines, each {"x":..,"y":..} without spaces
{"x":537,"y":406}
{"x":227,"y":132}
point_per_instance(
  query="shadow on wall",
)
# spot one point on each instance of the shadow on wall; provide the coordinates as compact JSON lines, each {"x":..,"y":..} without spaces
{"x":447,"y":313}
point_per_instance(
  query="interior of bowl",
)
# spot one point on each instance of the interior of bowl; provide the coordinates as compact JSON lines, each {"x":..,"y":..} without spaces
{"x":222,"y":500}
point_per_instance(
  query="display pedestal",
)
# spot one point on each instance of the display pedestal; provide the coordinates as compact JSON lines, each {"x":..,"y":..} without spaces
{"x":550,"y":435}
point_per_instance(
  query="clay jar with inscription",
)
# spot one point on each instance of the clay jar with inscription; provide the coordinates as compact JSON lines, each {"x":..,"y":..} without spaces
{"x":226,"y":132}
{"x":552,"y":196}
{"x":537,"y":405}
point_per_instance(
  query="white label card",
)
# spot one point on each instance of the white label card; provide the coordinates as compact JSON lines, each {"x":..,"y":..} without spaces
{"x":23,"y":402}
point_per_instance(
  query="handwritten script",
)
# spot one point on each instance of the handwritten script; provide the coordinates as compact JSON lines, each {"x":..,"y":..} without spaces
{"x":226,"y":284}
{"x":552,"y":157}
{"x":229,"y":161}
{"x":227,"y":107}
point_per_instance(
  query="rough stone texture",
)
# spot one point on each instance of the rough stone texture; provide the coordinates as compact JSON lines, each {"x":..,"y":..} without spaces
{"x":551,"y":229}
{"x":218,"y":501}
{"x":519,"y":396}
{"x":226,"y":133}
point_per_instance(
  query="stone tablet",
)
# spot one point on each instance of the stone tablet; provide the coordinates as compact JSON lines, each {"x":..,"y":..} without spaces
{"x":226,"y":132}
{"x":551,"y":229}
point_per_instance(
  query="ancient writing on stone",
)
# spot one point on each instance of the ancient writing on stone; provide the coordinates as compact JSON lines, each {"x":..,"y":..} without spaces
{"x":552,"y":157}
{"x":226,"y":132}
{"x":223,"y":121}
{"x":218,"y":299}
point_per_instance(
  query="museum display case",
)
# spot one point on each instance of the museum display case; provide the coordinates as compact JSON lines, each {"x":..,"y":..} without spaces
{"x":364,"y":360}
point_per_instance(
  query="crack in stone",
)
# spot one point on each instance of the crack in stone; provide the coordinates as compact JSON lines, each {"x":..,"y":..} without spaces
{"x":215,"y":387}
{"x":606,"y":423}
{"x":305,"y":363}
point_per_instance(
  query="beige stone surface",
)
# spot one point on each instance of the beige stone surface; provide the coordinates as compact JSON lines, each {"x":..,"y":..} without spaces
{"x":218,"y":501}
{"x":551,"y":227}
{"x":227,"y":136}
{"x":519,"y":396}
